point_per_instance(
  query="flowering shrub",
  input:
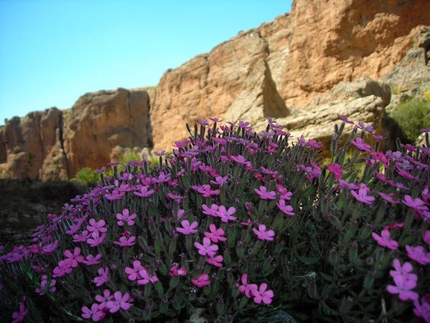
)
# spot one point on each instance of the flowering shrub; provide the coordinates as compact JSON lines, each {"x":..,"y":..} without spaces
{"x":234,"y":222}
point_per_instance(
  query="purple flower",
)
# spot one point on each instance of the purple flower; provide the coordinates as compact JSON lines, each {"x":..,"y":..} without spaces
{"x":264,"y":194}
{"x":90,"y":260}
{"x":188,"y":228}
{"x":205,"y":190}
{"x":74,"y":257}
{"x":239,"y":159}
{"x":126,"y":241}
{"x":426,"y":237}
{"x":215,"y":261}
{"x":212,"y":210}
{"x":143,"y":191}
{"x":103,"y":299}
{"x":206,"y":248}
{"x":403,"y":288}
{"x":144,"y":277}
{"x":389,"y":197}
{"x":345,"y":119}
{"x":283,"y":192}
{"x":403,"y":270}
{"x":215,"y":234}
{"x":418,"y":254}
{"x":263,"y":234}
{"x":64,"y":267}
{"x":95,"y":312}
{"x":384,"y":240}
{"x":175,"y":271}
{"x":423,"y":309}
{"x":247,"y":288}
{"x":118,"y":301}
{"x":362,"y":196}
{"x":19,"y":316}
{"x":97,"y":226}
{"x":125,"y":217}
{"x":115,"y":195}
{"x":226,"y":215}
{"x":103,"y":278}
{"x":201,"y":281}
{"x":361,"y":145}
{"x":262,"y":294}
{"x":45,"y":287}
{"x":415,"y":203}
{"x":287,"y":209}
{"x":96,"y":239}
{"x":363,"y":127}
{"x":335,"y":169}
{"x":220,"y":180}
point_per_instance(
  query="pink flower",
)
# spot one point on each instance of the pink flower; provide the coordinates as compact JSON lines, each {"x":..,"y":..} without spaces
{"x":239,"y":159}
{"x":362,"y":196}
{"x":344,"y":118}
{"x":426,"y":237}
{"x":19,"y":316}
{"x":115,"y":195}
{"x":175,"y":271}
{"x":335,"y":169}
{"x":125,"y":217}
{"x":283,"y":192}
{"x":262,"y":234}
{"x":103,"y":278}
{"x":118,"y":301}
{"x":384,"y":240}
{"x":220,"y":180}
{"x":226,"y":215}
{"x":247,"y":288}
{"x":91,"y":260}
{"x":97,"y":226}
{"x":74,"y":257}
{"x":287,"y":209}
{"x":403,"y":288}
{"x":423,"y":309}
{"x":262,"y":294}
{"x":415,"y":203}
{"x":64,"y":267}
{"x":215,"y":261}
{"x":404,"y":270}
{"x":212,"y":210}
{"x":363,"y":127}
{"x":133,"y":273}
{"x":205,"y":190}
{"x":418,"y":254}
{"x":361,"y":145}
{"x":95,"y":239}
{"x":389,"y":197}
{"x":206,"y":248}
{"x":215,"y":234}
{"x":143,"y":191}
{"x":44,"y":286}
{"x":188,"y":228}
{"x":201,"y":281}
{"x":95,"y":312}
{"x":126,"y":241}
{"x":264,"y":194}
{"x":103,"y":299}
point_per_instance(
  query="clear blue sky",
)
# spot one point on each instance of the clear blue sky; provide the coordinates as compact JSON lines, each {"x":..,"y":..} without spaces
{"x":54,"y":51}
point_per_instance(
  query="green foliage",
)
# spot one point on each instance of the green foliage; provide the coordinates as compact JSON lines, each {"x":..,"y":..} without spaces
{"x":291,"y":234}
{"x":86,"y":175}
{"x":411,"y":116}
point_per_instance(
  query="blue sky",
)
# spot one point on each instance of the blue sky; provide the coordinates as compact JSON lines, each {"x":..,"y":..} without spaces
{"x":54,"y":51}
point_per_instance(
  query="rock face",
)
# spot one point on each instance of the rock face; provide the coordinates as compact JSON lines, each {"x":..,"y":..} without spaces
{"x":302,"y":68}
{"x":54,"y":145}
{"x":291,"y":59}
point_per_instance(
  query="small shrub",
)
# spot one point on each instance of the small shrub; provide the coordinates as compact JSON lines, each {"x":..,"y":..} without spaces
{"x":412,"y":115}
{"x":86,"y":175}
{"x":236,"y":224}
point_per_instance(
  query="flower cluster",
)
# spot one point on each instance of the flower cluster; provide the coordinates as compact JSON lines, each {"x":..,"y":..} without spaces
{"x":232,"y":221}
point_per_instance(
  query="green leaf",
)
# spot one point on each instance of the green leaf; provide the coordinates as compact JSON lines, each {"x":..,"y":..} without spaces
{"x":159,"y":288}
{"x":309,"y":260}
{"x":326,"y":277}
{"x":353,"y":255}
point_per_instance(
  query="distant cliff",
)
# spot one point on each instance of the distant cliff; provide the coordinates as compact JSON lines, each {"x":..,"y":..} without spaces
{"x":278,"y":69}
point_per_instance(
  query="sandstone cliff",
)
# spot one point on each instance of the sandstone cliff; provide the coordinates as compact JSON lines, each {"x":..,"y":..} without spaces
{"x":285,"y":68}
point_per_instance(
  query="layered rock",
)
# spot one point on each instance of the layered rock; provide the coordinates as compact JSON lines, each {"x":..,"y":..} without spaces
{"x":101,"y":121}
{"x":99,"y":128}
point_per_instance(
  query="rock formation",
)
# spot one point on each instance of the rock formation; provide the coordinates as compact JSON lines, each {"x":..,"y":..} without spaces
{"x":96,"y":131}
{"x":285,"y":68}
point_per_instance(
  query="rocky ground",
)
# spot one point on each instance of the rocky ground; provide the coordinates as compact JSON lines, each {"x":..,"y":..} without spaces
{"x":24,"y":205}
